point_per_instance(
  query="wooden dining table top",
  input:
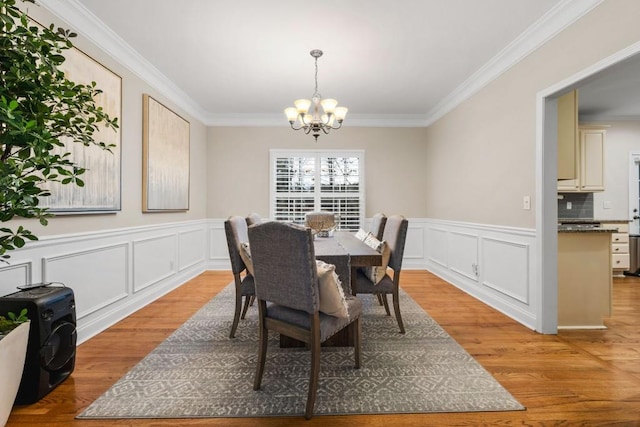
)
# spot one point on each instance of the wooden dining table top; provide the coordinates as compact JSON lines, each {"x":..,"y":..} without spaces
{"x":345,"y":243}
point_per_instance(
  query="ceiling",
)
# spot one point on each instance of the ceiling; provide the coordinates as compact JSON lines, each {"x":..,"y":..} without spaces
{"x":391,"y":62}
{"x":613,"y":94}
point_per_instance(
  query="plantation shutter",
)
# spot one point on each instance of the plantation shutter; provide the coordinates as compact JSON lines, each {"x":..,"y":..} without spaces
{"x":309,"y":181}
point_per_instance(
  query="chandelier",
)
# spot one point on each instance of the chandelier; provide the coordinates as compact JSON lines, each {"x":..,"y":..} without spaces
{"x":314,"y":121}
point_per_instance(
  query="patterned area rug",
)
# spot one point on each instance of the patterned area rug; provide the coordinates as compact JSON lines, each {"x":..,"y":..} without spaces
{"x":199,"y":372}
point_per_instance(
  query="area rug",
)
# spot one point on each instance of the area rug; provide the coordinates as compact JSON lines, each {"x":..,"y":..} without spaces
{"x":199,"y":372}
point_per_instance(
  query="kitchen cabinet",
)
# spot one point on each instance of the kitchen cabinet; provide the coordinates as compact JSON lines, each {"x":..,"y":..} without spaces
{"x":568,"y":136}
{"x":589,"y":162}
{"x":584,"y":279}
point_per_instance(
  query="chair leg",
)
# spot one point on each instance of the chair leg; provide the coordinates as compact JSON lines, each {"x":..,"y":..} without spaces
{"x":357,"y":329}
{"x":236,"y":313}
{"x":263,"y":336}
{"x":385,"y":303}
{"x":380,"y":299}
{"x":396,"y":309}
{"x":315,"y":366}
{"x":247,"y":300}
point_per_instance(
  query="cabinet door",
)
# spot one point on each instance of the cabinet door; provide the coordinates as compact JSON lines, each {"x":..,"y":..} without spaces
{"x":592,"y":160}
{"x":568,"y":136}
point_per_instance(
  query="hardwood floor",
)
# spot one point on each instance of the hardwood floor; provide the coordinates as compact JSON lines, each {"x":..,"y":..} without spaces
{"x":575,"y":378}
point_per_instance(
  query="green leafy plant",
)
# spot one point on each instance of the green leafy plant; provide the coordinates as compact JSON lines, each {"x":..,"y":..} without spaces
{"x":40,"y":109}
{"x":7,"y":325}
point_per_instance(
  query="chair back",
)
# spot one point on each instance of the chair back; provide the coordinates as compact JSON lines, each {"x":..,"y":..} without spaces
{"x":284,"y":265}
{"x":320,"y":221}
{"x":377,"y":225}
{"x":235,"y":227}
{"x":253,"y":218}
{"x":395,"y":233}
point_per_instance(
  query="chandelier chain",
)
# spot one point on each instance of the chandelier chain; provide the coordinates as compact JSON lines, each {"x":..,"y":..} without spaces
{"x":315,"y":93}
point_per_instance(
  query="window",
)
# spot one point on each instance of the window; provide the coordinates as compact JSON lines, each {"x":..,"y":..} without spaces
{"x":322,"y":180}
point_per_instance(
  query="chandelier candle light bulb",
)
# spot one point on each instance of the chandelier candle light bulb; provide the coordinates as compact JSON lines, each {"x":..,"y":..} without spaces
{"x":324,"y":114}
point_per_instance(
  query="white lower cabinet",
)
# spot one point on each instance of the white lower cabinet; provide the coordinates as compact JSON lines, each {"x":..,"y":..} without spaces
{"x":619,"y":248}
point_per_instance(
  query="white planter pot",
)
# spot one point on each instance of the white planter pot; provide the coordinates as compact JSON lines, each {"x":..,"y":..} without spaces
{"x":13,"y":350}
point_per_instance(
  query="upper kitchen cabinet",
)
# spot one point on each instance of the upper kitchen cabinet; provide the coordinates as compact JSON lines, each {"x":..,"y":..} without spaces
{"x":568,"y":136}
{"x":589,"y":162}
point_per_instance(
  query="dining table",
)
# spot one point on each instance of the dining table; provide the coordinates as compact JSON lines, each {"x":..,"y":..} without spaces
{"x":344,"y":250}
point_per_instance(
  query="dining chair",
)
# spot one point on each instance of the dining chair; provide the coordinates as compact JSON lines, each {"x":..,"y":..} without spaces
{"x":235,"y":228}
{"x":289,"y":297}
{"x":394,"y":237}
{"x":254,"y":218}
{"x":378,"y":222}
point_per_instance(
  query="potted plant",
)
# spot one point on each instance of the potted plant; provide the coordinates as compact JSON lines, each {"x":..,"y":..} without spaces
{"x":14,"y":337}
{"x":40,"y":109}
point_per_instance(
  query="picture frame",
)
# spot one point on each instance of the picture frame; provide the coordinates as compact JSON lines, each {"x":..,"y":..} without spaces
{"x":165,"y":158}
{"x":102,"y":190}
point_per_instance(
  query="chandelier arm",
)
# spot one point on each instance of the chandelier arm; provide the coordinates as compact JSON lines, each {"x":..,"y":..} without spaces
{"x":295,"y":128}
{"x":337,"y":127}
{"x":326,"y":129}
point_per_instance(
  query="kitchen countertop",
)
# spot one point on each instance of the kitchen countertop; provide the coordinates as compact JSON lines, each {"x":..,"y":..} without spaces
{"x":588,"y":225}
{"x":588,"y":229}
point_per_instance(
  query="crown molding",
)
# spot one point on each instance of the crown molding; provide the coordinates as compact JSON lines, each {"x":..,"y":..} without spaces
{"x":86,"y":23}
{"x":77,"y":16}
{"x":544,"y":29}
{"x":353,"y":120}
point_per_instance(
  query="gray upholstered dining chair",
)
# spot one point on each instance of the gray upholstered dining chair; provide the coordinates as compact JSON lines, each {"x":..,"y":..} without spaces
{"x":395,"y":235}
{"x":235,"y":228}
{"x":378,"y":222}
{"x":288,"y":295}
{"x":254,"y":218}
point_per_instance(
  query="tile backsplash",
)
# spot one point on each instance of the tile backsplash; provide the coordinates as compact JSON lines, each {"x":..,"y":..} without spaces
{"x":581,"y":205}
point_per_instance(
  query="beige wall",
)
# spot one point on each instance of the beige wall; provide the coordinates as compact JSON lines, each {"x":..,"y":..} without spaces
{"x":131,"y":127}
{"x":480,"y":158}
{"x":475,"y":164}
{"x":238,"y":171}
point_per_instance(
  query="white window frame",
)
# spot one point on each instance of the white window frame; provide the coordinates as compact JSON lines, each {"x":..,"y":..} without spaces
{"x":274,"y":154}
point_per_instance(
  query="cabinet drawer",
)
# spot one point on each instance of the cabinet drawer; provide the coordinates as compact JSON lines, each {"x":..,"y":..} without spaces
{"x":620,"y":248}
{"x":620,"y":261}
{"x":619,"y":238}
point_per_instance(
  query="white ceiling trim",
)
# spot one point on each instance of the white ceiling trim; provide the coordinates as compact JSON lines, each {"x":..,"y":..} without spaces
{"x":86,"y":23}
{"x":77,"y":16}
{"x":354,"y":120}
{"x":553,"y":22}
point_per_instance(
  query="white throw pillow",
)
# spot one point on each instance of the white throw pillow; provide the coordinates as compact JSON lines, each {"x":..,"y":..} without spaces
{"x":376,"y":273}
{"x":245,"y":254}
{"x":361,"y":234}
{"x":332,"y":298}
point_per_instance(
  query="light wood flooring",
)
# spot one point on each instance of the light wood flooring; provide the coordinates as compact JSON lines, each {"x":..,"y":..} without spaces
{"x":588,"y":378}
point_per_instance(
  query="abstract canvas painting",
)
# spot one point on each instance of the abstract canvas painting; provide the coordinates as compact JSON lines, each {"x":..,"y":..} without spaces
{"x":101,"y":192}
{"x":165,"y":157}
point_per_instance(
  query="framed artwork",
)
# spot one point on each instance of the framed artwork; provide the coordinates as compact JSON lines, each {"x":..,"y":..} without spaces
{"x":102,"y":190}
{"x":165,"y":158}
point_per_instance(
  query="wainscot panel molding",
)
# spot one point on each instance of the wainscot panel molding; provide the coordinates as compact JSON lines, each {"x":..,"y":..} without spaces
{"x":493,"y":264}
{"x":414,"y":248}
{"x":113,"y":273}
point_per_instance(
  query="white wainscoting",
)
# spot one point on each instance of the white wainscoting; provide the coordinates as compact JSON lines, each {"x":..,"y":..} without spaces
{"x":112,"y":273}
{"x":494,"y":264}
{"x":414,"y":254}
